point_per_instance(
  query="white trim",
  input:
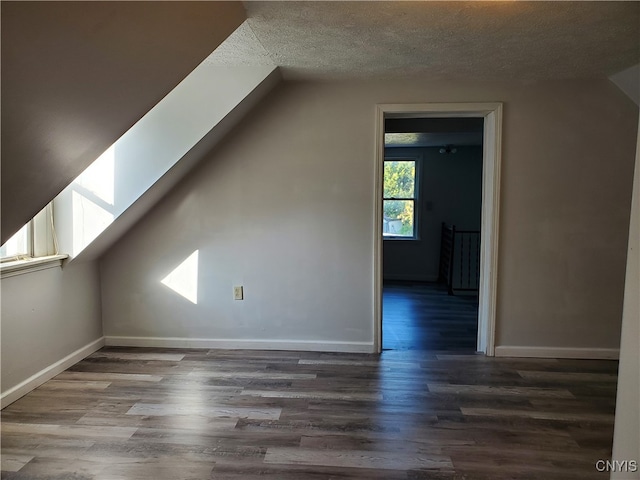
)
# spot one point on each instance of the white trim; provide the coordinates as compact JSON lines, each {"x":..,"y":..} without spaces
{"x":231,"y":344}
{"x":43,"y":233}
{"x":491,"y":162}
{"x":558,"y":352}
{"x":491,"y":166}
{"x":378,"y":192}
{"x":20,"y":267}
{"x":46,"y":374}
{"x":451,"y":110}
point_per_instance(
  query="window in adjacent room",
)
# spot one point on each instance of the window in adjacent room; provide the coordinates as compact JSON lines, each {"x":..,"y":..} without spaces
{"x":399,"y":202}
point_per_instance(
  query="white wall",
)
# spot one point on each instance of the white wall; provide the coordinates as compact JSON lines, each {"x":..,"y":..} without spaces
{"x":285,"y":208}
{"x":46,"y":316}
{"x":626,"y":439}
{"x":450,"y":190}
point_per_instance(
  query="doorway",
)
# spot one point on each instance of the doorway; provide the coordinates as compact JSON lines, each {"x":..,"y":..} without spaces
{"x":490,"y":115}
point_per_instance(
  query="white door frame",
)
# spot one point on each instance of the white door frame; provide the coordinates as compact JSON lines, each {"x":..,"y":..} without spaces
{"x":491,"y":160}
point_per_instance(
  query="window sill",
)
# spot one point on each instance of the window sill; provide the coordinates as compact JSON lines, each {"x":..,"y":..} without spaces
{"x":20,"y":267}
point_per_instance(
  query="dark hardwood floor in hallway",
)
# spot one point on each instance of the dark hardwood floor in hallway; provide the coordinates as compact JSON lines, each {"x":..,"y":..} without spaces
{"x":135,"y":414}
{"x":422,"y":316}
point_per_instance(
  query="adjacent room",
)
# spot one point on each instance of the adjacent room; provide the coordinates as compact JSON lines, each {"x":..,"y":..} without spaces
{"x":313,"y":240}
{"x":432,"y":199}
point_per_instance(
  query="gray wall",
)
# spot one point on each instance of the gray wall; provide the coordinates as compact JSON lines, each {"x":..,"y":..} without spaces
{"x":285,"y":208}
{"x":47,"y":315}
{"x":450,"y":190}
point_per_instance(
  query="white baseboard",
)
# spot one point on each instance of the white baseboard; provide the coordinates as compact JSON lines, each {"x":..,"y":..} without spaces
{"x":411,"y":278}
{"x":299,"y":345}
{"x":558,"y":352}
{"x":49,"y":372}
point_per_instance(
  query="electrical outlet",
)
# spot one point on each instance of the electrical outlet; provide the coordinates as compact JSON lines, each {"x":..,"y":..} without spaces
{"x":238,"y":294}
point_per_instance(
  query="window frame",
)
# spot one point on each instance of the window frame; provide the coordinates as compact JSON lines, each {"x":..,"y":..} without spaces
{"x":25,"y":255}
{"x":417,"y":160}
{"x":43,"y":246}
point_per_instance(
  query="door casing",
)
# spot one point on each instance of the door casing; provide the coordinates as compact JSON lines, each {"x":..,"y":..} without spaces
{"x":491,"y":162}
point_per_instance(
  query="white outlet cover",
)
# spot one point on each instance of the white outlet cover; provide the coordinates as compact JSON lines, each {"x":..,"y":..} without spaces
{"x":238,"y":293}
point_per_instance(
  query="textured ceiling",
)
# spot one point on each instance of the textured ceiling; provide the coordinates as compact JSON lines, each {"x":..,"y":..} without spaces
{"x":241,"y":48}
{"x":442,"y":40}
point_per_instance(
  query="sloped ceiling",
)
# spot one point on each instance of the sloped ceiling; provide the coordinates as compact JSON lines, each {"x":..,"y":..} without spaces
{"x":77,"y":75}
{"x":448,"y":40}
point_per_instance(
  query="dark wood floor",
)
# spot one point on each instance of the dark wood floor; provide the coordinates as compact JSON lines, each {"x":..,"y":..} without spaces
{"x":128,"y":414}
{"x":422,"y":316}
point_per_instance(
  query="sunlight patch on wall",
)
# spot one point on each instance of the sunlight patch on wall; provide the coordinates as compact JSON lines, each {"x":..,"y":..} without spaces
{"x":184,"y":278}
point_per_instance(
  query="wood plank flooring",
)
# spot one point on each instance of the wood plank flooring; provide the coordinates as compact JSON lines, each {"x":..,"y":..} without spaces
{"x":422,"y":316}
{"x":129,"y":414}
